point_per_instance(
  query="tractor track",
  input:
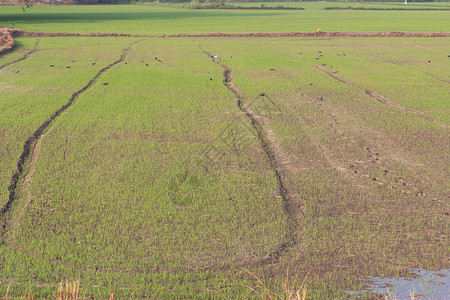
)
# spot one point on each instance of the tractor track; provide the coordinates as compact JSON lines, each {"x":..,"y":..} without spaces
{"x":29,"y":147}
{"x":379,"y":97}
{"x":25,"y":56}
{"x":424,"y":47}
{"x":408,"y":67}
{"x":273,"y":151}
{"x":383,"y":99}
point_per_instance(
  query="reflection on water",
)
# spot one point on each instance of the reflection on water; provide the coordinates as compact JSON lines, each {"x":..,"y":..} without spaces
{"x":433,"y":285}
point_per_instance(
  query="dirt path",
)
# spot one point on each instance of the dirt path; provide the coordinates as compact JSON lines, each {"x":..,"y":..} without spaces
{"x":384,"y":99}
{"x":30,"y":147}
{"x":25,"y":56}
{"x":292,"y":201}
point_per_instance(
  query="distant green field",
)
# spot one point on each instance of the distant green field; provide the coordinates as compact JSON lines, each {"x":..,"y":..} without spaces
{"x":367,"y":5}
{"x":157,"y":182}
{"x":151,"y":19}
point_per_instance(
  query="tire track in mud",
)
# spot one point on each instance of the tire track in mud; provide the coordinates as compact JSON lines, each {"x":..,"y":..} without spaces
{"x":394,"y":181}
{"x":407,"y":67}
{"x":424,"y":47}
{"x":25,"y":56}
{"x":292,"y":201}
{"x":383,"y":99}
{"x":29,"y":151}
{"x":358,"y":168}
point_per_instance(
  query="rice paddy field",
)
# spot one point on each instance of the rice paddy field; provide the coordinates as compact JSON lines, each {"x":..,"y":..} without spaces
{"x":199,"y":168}
{"x":173,"y":19}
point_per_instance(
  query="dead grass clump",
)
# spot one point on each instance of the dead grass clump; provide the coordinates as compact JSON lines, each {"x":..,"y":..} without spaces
{"x":69,"y":291}
{"x":290,"y":288}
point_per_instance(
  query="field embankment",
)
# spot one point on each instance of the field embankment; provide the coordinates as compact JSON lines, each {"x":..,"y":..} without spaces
{"x":21,"y":33}
{"x":6,"y":41}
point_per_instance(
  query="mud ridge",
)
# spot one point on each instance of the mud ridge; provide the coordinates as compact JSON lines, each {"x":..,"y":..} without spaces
{"x":384,"y":99}
{"x":25,"y":56}
{"x":265,"y":141}
{"x":29,"y":145}
{"x":407,"y":67}
{"x":17,"y":33}
{"x":6,"y":44}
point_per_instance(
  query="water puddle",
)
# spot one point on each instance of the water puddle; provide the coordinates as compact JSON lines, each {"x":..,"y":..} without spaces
{"x":433,"y":285}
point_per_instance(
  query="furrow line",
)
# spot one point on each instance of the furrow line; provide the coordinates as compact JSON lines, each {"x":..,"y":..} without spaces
{"x":267,"y":143}
{"x":25,"y":56}
{"x":30,"y":143}
{"x":424,"y":47}
{"x":383,"y":99}
{"x":407,"y":67}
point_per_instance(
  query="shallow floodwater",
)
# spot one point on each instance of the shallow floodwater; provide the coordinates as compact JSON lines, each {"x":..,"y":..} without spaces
{"x":433,"y":285}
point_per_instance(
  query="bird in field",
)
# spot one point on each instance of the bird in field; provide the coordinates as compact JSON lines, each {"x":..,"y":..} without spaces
{"x":93,"y":64}
{"x":160,"y":60}
{"x":141,"y":61}
{"x":262,"y":94}
{"x":210,"y":78}
{"x":17,"y":71}
{"x":51,"y":66}
{"x":72,"y":60}
{"x":299,"y":53}
{"x":320,"y":98}
{"x":146,"y":65}
{"x":309,"y":83}
{"x":272,"y":69}
{"x":429,"y":61}
{"x":319,"y":51}
{"x":68,"y":67}
{"x":334,"y":72}
{"x":125,"y":62}
{"x":323,"y":64}
{"x":229,"y":56}
{"x":106,"y":83}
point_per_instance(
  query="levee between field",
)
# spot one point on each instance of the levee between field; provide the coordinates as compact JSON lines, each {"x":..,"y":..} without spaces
{"x":14,"y":32}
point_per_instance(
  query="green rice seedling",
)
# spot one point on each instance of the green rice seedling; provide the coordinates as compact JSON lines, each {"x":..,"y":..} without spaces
{"x":158,"y":183}
{"x":167,"y":19}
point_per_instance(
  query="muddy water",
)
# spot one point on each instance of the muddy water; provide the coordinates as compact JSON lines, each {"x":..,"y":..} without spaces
{"x":433,"y":285}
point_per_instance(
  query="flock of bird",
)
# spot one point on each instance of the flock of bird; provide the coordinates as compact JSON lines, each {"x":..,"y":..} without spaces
{"x":319,"y":55}
{"x":106,"y":83}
